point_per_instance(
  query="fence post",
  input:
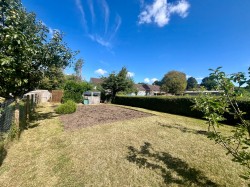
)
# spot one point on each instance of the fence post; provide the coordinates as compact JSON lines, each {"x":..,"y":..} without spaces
{"x":32,"y":102}
{"x":28,"y":108}
{"x":17,"y":113}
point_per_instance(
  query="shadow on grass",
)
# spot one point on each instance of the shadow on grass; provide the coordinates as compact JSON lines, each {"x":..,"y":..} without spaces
{"x":172,"y":169}
{"x":3,"y":152}
{"x":184,"y":129}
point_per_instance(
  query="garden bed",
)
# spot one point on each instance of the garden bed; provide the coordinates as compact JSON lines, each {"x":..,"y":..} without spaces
{"x":90,"y":115}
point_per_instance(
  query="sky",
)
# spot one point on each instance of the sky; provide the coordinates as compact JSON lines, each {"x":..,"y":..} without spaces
{"x":151,"y":37}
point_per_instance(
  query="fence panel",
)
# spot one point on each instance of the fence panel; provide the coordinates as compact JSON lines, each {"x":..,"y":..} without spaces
{"x":56,"y":96}
{"x":7,"y":109}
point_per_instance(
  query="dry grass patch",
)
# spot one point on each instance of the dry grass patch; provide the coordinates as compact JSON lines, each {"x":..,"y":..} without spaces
{"x":159,"y":150}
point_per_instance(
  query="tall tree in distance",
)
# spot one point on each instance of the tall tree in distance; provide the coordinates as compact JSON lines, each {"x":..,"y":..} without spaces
{"x":191,"y":83}
{"x":78,"y":68}
{"x":118,"y":82}
{"x":209,"y":83}
{"x":174,"y":82}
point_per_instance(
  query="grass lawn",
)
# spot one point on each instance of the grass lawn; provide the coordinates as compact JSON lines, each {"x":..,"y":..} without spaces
{"x":159,"y":150}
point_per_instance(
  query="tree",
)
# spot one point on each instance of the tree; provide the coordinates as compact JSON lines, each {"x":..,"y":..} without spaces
{"x":74,"y":90}
{"x":117,"y":82}
{"x":191,"y":83}
{"x":78,"y":68}
{"x":158,"y":83}
{"x":174,"y":82}
{"x":238,"y":142}
{"x":26,"y":54}
{"x":209,"y":83}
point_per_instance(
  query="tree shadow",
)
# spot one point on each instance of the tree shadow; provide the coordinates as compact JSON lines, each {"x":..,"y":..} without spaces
{"x":185,"y":129}
{"x":3,"y":154}
{"x":172,"y":169}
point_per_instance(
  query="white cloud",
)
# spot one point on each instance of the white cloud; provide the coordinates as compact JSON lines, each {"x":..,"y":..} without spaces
{"x":130,"y":74}
{"x":188,"y":76}
{"x":181,"y":8}
{"x":153,"y":80}
{"x":147,"y":80}
{"x":160,"y":12}
{"x":100,"y":72}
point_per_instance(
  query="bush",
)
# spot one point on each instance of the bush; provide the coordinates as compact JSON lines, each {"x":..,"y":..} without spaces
{"x":66,"y":108}
{"x":74,"y":90}
{"x":175,"y":105}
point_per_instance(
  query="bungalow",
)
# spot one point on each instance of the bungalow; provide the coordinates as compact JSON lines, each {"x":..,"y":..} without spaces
{"x":145,"y":89}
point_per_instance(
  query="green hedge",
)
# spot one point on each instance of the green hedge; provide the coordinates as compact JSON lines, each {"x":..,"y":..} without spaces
{"x":174,"y":105}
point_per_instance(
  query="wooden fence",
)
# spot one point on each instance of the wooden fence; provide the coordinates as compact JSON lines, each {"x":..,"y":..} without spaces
{"x":56,"y":96}
{"x":17,"y":112}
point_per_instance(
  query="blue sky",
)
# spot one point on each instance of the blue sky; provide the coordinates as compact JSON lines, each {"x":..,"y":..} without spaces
{"x":152,"y":37}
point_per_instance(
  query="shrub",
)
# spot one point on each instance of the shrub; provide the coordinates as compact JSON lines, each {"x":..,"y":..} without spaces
{"x":66,"y":108}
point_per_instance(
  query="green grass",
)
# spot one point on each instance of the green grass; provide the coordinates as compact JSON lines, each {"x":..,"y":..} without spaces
{"x":161,"y":150}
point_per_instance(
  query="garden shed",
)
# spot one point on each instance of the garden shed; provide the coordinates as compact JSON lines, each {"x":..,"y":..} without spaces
{"x":91,"y":97}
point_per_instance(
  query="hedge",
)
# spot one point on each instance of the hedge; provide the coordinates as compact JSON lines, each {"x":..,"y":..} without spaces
{"x":174,"y":105}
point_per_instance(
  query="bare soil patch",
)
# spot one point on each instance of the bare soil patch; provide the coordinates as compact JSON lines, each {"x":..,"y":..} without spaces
{"x":90,"y":115}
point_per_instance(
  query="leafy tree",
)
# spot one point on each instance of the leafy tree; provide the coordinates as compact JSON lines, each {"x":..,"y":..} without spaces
{"x":53,"y":79}
{"x":158,"y":83}
{"x":238,"y":142}
{"x":191,"y":83}
{"x":78,"y":68}
{"x":117,"y":82}
{"x":26,"y":54}
{"x":209,"y":83}
{"x":73,"y":90}
{"x":174,"y":82}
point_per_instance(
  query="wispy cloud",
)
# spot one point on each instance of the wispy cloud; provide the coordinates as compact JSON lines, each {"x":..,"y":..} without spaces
{"x":118,"y":22}
{"x":80,"y":7}
{"x":103,"y":37}
{"x":100,"y":72}
{"x":130,"y":74}
{"x":92,"y":11}
{"x":106,"y":13}
{"x":100,"y":40}
{"x":160,"y":12}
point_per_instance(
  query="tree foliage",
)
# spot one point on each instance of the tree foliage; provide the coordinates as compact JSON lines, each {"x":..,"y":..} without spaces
{"x":209,"y":82}
{"x":118,"y":82}
{"x":238,"y":142}
{"x":26,"y":52}
{"x":191,"y":83}
{"x":174,"y":82}
{"x":78,"y":68}
{"x":74,"y":90}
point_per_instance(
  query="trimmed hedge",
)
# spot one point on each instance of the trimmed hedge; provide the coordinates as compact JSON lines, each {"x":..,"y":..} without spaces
{"x":174,"y":105}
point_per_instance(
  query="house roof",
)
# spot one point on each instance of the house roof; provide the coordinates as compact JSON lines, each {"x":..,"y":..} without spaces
{"x":146,"y":87}
{"x":154,"y":88}
{"x":96,"y":81}
{"x":139,"y":87}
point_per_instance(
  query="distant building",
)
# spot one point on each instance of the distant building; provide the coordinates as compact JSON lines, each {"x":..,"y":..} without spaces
{"x":214,"y":92}
{"x":96,"y":82}
{"x":145,"y":89}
